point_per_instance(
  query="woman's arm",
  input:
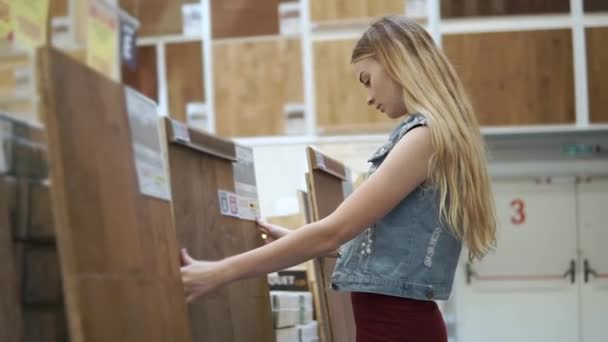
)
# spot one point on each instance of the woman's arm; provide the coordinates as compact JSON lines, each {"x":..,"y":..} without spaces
{"x":404,"y":169}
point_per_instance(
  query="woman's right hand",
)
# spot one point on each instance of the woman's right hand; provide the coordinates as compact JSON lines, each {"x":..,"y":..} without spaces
{"x":271,"y":232}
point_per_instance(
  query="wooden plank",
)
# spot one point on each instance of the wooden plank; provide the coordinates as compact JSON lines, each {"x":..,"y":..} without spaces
{"x":11,"y":319}
{"x":118,"y":253}
{"x":144,"y":78}
{"x":196,"y":178}
{"x":184,"y":77}
{"x":327,"y":193}
{"x":597,"y":73}
{"x":250,"y":89}
{"x":322,"y":10}
{"x":516,"y":78}
{"x":340,"y":98}
{"x":316,"y":283}
{"x":480,"y":8}
{"x":244,"y":18}
{"x":156,"y":17}
{"x":595,"y":5}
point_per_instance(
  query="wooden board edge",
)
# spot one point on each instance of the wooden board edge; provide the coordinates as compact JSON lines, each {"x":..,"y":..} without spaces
{"x":200,"y":141}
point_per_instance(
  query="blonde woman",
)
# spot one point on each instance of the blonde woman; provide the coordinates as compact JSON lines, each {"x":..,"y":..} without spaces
{"x":400,"y":233}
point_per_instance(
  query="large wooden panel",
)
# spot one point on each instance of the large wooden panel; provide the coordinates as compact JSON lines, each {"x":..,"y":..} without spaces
{"x":118,"y":253}
{"x":596,"y":5}
{"x":184,"y":77}
{"x":479,"y":8}
{"x":144,"y":78}
{"x":516,"y":78}
{"x":240,"y":311}
{"x":11,"y":319}
{"x":597,"y":71}
{"x":341,"y":101}
{"x":323,"y":10}
{"x":156,"y":17}
{"x":244,"y":18}
{"x":327,"y":192}
{"x":250,"y":86}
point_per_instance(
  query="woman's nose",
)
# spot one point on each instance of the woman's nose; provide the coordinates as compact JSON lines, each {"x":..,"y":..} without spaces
{"x":370,"y":100}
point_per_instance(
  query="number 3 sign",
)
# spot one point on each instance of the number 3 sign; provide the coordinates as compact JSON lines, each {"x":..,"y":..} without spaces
{"x":519,"y":216}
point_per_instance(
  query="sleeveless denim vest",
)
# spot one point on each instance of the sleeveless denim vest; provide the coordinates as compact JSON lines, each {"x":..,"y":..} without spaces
{"x":407,"y":253}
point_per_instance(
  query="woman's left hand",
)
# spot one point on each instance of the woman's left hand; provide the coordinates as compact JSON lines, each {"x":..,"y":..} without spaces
{"x":200,"y":277}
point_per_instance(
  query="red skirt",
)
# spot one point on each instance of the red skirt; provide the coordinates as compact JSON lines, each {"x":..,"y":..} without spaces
{"x":381,"y":318}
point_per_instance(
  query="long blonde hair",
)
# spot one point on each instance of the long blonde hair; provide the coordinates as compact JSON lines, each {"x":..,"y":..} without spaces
{"x":431,"y":87}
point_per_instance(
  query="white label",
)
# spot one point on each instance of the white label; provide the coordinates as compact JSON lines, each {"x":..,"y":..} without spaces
{"x":150,"y":163}
{"x":229,"y":203}
{"x":192,"y":19}
{"x":180,"y":131}
{"x":320,"y":160}
{"x":245,"y":184}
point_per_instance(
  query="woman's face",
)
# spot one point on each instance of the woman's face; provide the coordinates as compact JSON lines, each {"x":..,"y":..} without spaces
{"x":383,"y":93}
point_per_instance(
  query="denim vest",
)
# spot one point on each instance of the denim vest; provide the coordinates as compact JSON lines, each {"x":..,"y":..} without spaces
{"x":407,"y":253}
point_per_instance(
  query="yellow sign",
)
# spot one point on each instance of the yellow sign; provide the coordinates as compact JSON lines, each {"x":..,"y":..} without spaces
{"x":102,"y":39}
{"x":30,"y":21}
{"x":5,"y":19}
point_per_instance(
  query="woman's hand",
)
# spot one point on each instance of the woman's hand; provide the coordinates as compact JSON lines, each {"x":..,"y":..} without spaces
{"x":201,"y":277}
{"x":271,"y":232}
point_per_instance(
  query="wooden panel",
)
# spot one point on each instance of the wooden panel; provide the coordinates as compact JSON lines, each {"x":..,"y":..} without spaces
{"x":327,"y":194}
{"x":196,"y":177}
{"x":244,"y":18}
{"x":516,"y":78}
{"x":156,"y":17}
{"x":250,"y":89}
{"x":118,"y":253}
{"x":58,"y":8}
{"x":184,"y":77}
{"x":144,"y":78}
{"x":340,"y":98}
{"x":597,"y":70}
{"x":11,"y":320}
{"x":479,"y":8}
{"x":323,"y":10}
{"x":596,"y":5}
{"x":292,"y":64}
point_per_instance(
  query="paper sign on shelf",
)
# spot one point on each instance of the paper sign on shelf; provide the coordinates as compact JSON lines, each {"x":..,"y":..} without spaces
{"x":150,"y":162}
{"x":128,"y":42}
{"x":102,"y":39}
{"x":6,"y":27}
{"x":30,"y":21}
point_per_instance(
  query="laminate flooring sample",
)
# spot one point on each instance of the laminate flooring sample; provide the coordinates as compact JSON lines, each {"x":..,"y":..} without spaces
{"x":329,"y":186}
{"x":202,"y":165}
{"x":118,"y":250}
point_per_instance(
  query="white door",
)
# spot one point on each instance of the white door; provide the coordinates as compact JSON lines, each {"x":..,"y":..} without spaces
{"x":519,"y":292}
{"x":593,"y":225}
